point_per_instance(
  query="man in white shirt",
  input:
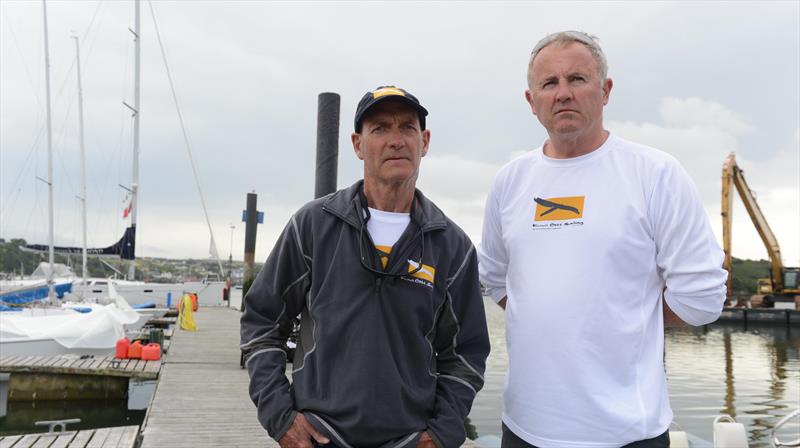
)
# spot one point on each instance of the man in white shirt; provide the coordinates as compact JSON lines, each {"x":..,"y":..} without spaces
{"x":592,"y":243}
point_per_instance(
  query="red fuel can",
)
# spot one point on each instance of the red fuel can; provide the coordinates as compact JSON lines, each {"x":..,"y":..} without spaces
{"x":135,"y":350}
{"x":122,"y":348}
{"x":151,"y":352}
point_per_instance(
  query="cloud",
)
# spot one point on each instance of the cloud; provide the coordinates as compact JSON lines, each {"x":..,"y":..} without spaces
{"x":458,"y":185}
{"x":701,"y":133}
{"x":691,"y":113}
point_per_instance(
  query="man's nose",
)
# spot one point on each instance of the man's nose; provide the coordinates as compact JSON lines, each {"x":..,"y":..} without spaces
{"x":395,"y":139}
{"x":563,"y":91}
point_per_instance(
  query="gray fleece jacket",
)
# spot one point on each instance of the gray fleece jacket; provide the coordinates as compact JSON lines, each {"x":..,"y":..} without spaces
{"x":379,"y":358}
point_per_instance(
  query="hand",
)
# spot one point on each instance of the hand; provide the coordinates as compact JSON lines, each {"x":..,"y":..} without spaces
{"x":300,"y":434}
{"x":425,"y":441}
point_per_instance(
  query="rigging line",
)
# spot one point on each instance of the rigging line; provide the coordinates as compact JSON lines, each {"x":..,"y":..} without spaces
{"x":215,"y":253}
{"x":28,"y":76}
{"x":115,"y":156}
{"x":88,"y":29}
{"x":17,"y":185}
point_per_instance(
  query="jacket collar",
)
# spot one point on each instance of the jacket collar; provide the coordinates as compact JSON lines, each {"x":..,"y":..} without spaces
{"x":348,"y":204}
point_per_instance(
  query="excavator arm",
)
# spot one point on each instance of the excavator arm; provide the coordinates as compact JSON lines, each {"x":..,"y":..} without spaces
{"x":733,"y":175}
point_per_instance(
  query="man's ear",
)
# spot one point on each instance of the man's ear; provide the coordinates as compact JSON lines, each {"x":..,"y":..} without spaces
{"x":607,"y":85}
{"x":426,"y":140}
{"x":356,"y":138}
{"x":529,"y":99}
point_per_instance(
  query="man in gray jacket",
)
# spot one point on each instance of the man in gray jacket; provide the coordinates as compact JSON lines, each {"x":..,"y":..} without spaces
{"x":393,"y":339}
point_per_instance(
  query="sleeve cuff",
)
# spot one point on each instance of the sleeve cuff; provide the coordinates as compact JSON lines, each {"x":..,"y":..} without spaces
{"x":285,"y":427}
{"x":435,"y":438}
{"x":496,"y":294}
{"x":696,"y":311}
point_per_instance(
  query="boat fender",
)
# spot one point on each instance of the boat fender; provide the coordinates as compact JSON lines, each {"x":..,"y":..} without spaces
{"x":728,"y":433}
{"x":678,"y":439}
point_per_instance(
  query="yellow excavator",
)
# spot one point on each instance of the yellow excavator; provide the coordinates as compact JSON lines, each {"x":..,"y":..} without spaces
{"x":782,"y":284}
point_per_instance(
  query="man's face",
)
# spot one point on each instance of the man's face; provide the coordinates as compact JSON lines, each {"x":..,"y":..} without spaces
{"x":566,"y":92}
{"x":391,"y":143}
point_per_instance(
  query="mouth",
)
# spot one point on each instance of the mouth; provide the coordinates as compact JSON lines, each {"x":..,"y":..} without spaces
{"x":566,"y":110}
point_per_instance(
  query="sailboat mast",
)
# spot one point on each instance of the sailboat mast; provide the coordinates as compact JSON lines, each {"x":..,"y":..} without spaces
{"x":51,"y":253}
{"x":83,"y":160}
{"x":136,"y":105}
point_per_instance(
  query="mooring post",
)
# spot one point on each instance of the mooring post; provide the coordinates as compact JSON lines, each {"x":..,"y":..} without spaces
{"x":251,"y":226}
{"x":250,"y":217}
{"x":327,"y":143}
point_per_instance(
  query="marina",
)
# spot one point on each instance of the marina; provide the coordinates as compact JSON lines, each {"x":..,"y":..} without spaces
{"x":746,"y":365}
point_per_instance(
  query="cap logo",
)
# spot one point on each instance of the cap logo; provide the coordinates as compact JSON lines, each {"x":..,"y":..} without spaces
{"x":386,"y":91}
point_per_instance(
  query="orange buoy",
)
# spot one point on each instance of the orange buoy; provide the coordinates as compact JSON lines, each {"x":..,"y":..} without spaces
{"x":151,"y":352}
{"x":135,"y":350}
{"x":122,"y":348}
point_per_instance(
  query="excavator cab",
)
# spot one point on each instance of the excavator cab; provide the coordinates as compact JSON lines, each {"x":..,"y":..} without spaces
{"x":790,"y":280}
{"x":764,"y":286}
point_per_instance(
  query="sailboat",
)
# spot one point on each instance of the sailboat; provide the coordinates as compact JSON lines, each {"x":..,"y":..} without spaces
{"x":53,"y":329}
{"x":136,"y":292}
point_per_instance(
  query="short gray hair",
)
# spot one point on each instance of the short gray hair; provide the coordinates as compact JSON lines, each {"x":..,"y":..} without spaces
{"x":589,"y":41}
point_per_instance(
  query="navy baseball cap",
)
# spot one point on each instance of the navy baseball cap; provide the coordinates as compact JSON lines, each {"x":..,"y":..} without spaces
{"x":384,"y":93}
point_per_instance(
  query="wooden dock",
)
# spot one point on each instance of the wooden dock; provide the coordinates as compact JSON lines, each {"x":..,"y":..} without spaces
{"x":72,"y":377}
{"x":760,"y":316}
{"x":76,"y":365}
{"x":118,"y":437}
{"x":201,"y":399}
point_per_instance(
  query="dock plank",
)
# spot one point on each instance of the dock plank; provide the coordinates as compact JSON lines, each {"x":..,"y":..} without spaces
{"x":63,"y":440}
{"x":9,"y":441}
{"x":82,"y":438}
{"x":45,"y":440}
{"x":27,"y":441}
{"x":129,"y":436}
{"x":114,"y":437}
{"x":98,"y":438}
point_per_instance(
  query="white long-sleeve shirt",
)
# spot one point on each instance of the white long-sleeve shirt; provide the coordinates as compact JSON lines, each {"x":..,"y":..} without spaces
{"x":583,"y":249}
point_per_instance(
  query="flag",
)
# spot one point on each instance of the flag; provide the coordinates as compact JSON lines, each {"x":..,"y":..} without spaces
{"x":127,"y":210}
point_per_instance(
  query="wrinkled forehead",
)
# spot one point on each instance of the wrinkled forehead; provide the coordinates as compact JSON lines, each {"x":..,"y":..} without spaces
{"x":563,"y":57}
{"x":391,"y":110}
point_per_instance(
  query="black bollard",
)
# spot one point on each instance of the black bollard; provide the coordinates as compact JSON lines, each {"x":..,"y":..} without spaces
{"x":327,"y":144}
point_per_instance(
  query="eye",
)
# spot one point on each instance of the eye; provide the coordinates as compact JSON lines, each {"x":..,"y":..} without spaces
{"x":577,"y":78}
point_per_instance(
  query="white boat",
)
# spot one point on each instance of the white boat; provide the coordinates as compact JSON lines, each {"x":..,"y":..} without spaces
{"x":56,"y":331}
{"x":209,"y":293}
{"x":34,"y":288}
{"x":133,"y":319}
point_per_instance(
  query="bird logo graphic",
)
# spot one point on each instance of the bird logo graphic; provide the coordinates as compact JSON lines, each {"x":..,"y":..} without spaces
{"x":556,"y":209}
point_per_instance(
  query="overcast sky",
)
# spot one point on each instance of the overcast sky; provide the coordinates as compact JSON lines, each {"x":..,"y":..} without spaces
{"x":696,"y":80}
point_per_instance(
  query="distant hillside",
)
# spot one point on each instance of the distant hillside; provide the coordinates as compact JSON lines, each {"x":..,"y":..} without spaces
{"x":16,"y":262}
{"x":746,"y":273}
